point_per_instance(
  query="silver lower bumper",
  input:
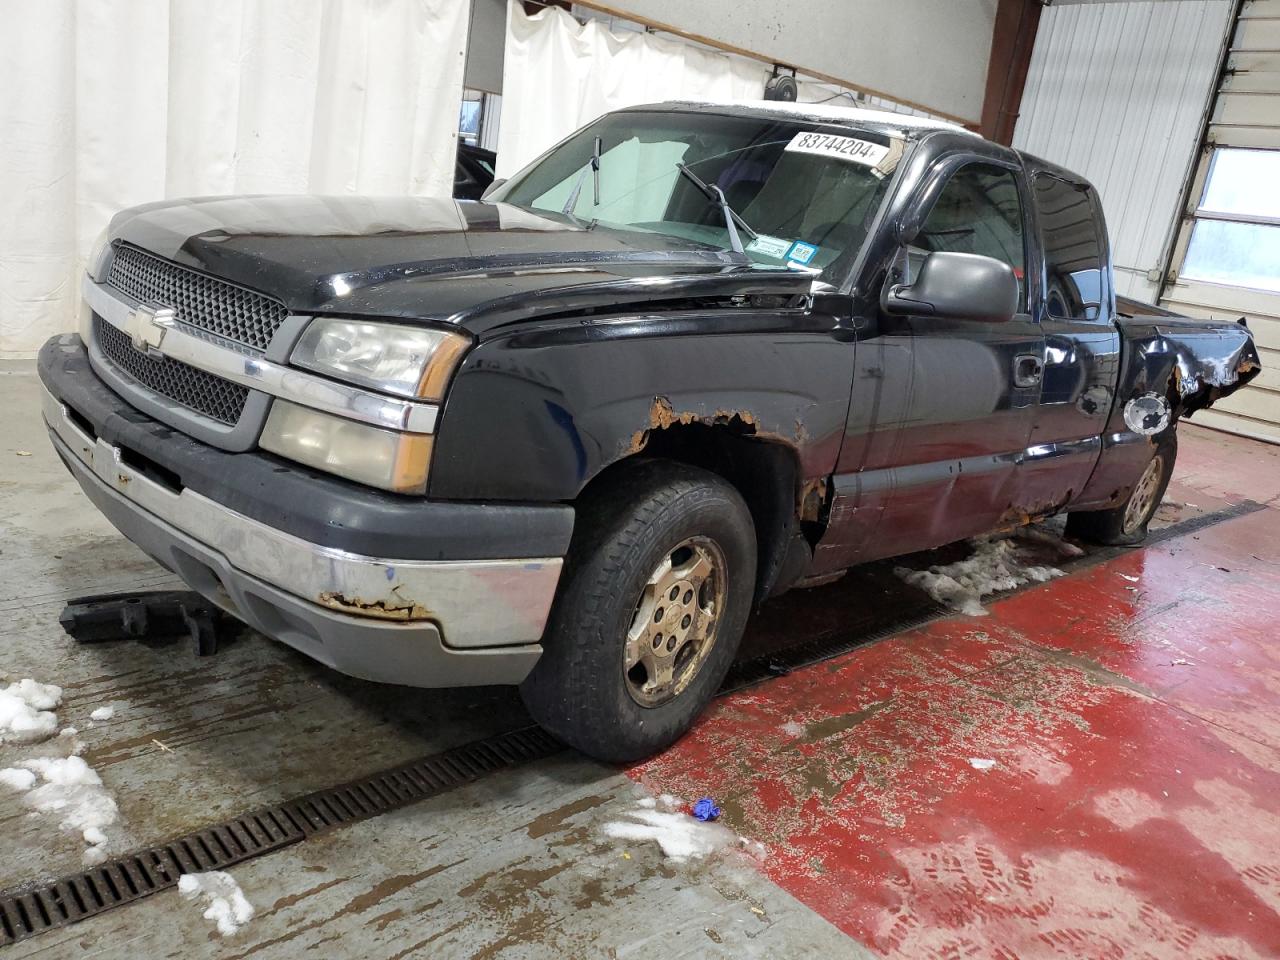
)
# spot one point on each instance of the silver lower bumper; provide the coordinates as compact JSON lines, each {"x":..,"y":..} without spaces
{"x":421,"y":623}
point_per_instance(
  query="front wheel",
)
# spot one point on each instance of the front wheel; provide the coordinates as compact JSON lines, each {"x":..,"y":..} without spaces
{"x":655,"y":595}
{"x":1126,"y":525}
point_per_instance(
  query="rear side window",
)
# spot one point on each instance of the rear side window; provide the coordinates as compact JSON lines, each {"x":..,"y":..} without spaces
{"x":1072,"y":249}
{"x":978,"y":211}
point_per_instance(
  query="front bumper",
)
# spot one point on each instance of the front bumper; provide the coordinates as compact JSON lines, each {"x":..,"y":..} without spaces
{"x":429,"y":623}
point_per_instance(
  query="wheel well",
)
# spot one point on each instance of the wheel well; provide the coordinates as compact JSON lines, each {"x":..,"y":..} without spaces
{"x":764,"y":473}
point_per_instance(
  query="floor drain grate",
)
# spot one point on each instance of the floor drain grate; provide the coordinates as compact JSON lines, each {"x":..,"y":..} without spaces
{"x":1184,"y":527}
{"x":46,"y":907}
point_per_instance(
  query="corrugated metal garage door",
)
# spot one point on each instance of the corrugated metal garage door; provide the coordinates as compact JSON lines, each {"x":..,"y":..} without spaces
{"x":1227,"y":257}
{"x":1116,"y":92}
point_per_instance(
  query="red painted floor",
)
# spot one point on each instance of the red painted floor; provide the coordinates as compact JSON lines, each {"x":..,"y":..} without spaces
{"x":1132,"y":712}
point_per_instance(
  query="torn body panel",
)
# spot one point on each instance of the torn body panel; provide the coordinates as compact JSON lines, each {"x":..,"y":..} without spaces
{"x":1171,"y":367}
{"x":1191,"y":362}
{"x":1205,"y":371}
{"x":662,"y":416}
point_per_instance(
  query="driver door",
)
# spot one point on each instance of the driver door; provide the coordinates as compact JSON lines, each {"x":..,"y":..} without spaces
{"x":942,"y":409}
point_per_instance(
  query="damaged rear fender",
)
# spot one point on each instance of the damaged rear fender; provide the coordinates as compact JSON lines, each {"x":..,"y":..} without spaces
{"x":1190,"y":364}
{"x":1202,"y":375}
{"x":1171,"y":367}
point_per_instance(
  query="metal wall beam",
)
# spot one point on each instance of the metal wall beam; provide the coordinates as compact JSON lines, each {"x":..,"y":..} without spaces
{"x":1012,"y":40}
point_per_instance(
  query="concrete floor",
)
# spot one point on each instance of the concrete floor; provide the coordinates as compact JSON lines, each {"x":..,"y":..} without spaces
{"x":1131,"y":811}
{"x":1132,"y":711}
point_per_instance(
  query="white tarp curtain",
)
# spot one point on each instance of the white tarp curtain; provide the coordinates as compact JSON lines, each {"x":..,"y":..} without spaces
{"x":819,"y":91}
{"x":109,"y":103}
{"x":559,"y":74}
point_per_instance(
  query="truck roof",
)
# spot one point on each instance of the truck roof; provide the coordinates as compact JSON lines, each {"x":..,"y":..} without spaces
{"x":886,"y":121}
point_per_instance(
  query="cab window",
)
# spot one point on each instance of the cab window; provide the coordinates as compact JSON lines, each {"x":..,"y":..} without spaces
{"x":1072,"y":248}
{"x":978,"y":211}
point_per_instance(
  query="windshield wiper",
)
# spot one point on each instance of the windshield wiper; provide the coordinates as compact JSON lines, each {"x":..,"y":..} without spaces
{"x":731,"y":218}
{"x":594,"y":167}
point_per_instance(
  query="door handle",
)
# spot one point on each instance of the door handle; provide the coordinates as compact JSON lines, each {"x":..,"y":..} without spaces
{"x":1027,"y":370}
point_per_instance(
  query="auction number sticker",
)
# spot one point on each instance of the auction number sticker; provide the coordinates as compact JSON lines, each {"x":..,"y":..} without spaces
{"x":849,"y":149}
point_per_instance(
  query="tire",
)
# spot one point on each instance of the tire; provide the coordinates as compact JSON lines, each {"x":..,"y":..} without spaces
{"x":589,"y":688}
{"x":1115,"y":527}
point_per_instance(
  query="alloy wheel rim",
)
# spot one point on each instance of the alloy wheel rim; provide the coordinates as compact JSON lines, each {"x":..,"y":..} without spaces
{"x":676,"y":622}
{"x":1142,"y":501}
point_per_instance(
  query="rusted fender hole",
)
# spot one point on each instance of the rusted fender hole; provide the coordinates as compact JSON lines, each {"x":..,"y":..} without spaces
{"x":662,"y":416}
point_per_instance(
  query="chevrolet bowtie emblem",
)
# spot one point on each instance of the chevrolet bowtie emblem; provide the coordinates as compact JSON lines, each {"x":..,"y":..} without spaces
{"x":146,"y":325}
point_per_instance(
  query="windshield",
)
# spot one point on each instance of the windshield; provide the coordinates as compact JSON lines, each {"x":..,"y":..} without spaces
{"x":807,"y":193}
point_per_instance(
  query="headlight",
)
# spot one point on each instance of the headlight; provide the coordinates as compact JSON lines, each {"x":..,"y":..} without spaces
{"x":96,"y":267}
{"x":99,"y":255}
{"x":391,"y":357}
{"x":360,"y":452}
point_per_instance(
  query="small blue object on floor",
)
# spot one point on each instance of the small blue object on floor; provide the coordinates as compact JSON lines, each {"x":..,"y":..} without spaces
{"x":706,"y":809}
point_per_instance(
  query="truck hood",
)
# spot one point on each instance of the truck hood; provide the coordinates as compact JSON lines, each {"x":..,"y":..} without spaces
{"x":471,"y":263}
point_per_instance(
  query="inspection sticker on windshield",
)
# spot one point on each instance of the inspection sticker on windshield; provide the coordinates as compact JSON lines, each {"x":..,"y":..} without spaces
{"x":801,"y":253}
{"x":850,"y":149}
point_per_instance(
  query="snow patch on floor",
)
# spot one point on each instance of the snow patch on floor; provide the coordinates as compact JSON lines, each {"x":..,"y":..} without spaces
{"x":997,"y":565}
{"x":26,"y":711}
{"x":666,"y":821}
{"x":225,"y":903}
{"x":103,"y":713}
{"x":72,"y":791}
{"x":981,"y":763}
{"x":794,"y":728}
{"x":17,"y":779}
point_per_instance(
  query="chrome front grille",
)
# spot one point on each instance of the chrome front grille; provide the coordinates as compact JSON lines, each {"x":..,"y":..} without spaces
{"x":203,"y":392}
{"x":214,"y":305}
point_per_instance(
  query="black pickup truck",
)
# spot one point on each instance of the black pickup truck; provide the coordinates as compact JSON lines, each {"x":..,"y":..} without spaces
{"x":569,"y":435}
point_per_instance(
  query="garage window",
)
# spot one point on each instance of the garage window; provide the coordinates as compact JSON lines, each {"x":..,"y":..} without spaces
{"x":1236,"y":235}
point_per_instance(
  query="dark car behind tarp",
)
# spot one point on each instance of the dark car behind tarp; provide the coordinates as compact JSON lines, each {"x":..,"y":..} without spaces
{"x":473,"y":172}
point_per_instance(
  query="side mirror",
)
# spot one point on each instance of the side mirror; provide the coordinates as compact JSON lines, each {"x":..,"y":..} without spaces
{"x":959,"y":286}
{"x":492,"y":187}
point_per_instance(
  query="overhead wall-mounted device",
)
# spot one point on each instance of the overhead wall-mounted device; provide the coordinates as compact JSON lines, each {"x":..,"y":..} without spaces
{"x":782,"y":86}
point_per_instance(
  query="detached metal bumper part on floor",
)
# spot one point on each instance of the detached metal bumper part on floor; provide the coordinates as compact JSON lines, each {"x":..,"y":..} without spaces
{"x":421,"y":622}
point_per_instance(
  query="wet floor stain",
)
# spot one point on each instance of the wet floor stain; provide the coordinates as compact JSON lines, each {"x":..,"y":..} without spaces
{"x":1127,"y":748}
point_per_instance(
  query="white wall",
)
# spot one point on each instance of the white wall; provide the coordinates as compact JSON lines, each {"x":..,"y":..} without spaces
{"x":1116,"y":92}
{"x":111,"y":103}
{"x":928,"y":53}
{"x":819,"y":91}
